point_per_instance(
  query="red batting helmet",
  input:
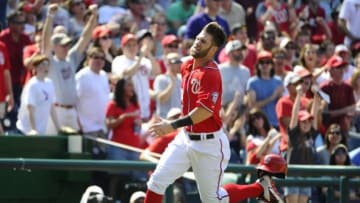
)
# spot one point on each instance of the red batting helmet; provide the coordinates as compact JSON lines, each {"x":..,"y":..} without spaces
{"x":273,"y":164}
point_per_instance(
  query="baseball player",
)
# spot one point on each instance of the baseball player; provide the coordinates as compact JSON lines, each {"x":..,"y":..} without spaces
{"x":201,"y":144}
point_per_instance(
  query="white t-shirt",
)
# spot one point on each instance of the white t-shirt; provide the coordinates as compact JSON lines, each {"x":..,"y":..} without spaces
{"x":41,"y":96}
{"x":139,"y":79}
{"x":350,"y":12}
{"x":93,"y":92}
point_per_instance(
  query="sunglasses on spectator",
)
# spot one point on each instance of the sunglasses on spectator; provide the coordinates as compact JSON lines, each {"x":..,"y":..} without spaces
{"x":280,"y":56}
{"x":175,"y":61}
{"x":97,"y":57}
{"x":172,"y":46}
{"x":105,"y":37}
{"x":335,"y":132}
{"x":263,"y":62}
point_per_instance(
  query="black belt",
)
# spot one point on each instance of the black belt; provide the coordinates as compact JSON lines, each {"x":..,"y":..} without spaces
{"x":200,"y":137}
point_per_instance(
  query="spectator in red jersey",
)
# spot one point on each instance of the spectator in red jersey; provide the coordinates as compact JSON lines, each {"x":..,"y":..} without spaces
{"x":14,"y":38}
{"x":6,"y":92}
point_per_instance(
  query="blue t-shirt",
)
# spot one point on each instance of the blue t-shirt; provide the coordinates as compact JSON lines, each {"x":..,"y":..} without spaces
{"x":196,"y":23}
{"x":264,"y":89}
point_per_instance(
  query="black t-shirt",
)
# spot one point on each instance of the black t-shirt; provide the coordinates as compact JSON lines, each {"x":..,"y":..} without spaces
{"x":301,"y":147}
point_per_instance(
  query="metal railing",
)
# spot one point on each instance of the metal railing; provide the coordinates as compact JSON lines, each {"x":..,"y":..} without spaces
{"x":314,"y":175}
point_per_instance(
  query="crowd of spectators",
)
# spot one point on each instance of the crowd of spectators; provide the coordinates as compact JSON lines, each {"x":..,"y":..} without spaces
{"x":107,"y":68}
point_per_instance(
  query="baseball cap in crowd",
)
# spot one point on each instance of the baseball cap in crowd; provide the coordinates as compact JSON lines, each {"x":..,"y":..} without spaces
{"x":126,"y":38}
{"x":284,"y":42}
{"x":341,"y":48}
{"x":232,"y":45}
{"x":304,"y":115}
{"x":169,"y":39}
{"x":335,"y":62}
{"x":100,"y":31}
{"x":141,"y":34}
{"x":236,"y":27}
{"x":137,"y":195}
{"x":291,"y":78}
{"x":264,"y":55}
{"x":60,"y":39}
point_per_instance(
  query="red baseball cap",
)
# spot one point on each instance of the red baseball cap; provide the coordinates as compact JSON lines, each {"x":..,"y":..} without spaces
{"x":126,"y":38}
{"x":335,"y":62}
{"x":100,"y":31}
{"x":168,"y":39}
{"x":264,"y":55}
{"x":304,"y":115}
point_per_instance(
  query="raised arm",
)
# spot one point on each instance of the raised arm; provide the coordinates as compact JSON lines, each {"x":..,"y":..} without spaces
{"x":296,"y":107}
{"x":45,"y":47}
{"x":90,"y":25}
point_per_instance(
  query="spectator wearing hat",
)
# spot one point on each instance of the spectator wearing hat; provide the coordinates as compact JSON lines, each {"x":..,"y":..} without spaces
{"x":137,"y":197}
{"x":170,"y":43}
{"x":167,"y":86}
{"x":101,"y":36}
{"x":342,"y":51}
{"x":234,"y":75}
{"x":340,"y":157}
{"x":332,"y":138}
{"x":14,"y":38}
{"x":263,"y":90}
{"x":137,"y":67}
{"x":239,"y":32}
{"x":6,"y":92}
{"x":302,"y":132}
{"x":64,"y":61}
{"x":285,"y":104}
{"x":178,"y":13}
{"x":291,"y":50}
{"x":232,"y":12}
{"x":37,"y":100}
{"x":336,"y":88}
{"x":348,"y":21}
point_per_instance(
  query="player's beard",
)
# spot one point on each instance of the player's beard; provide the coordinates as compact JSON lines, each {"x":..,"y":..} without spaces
{"x":199,"y":54}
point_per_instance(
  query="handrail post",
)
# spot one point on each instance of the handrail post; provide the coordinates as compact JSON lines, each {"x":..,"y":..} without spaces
{"x":330,"y":194}
{"x":344,"y":189}
{"x":169,"y":195}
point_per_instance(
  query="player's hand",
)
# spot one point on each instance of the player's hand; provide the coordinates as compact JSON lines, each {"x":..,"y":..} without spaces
{"x":162,"y":128}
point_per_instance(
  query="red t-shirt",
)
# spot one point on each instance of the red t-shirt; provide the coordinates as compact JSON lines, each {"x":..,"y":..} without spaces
{"x":15,"y":54}
{"x":123,"y":133}
{"x":281,"y":18}
{"x":202,"y":87}
{"x":284,"y":109}
{"x":160,"y":144}
{"x":28,"y":52}
{"x":4,"y":65}
{"x":337,"y":34}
